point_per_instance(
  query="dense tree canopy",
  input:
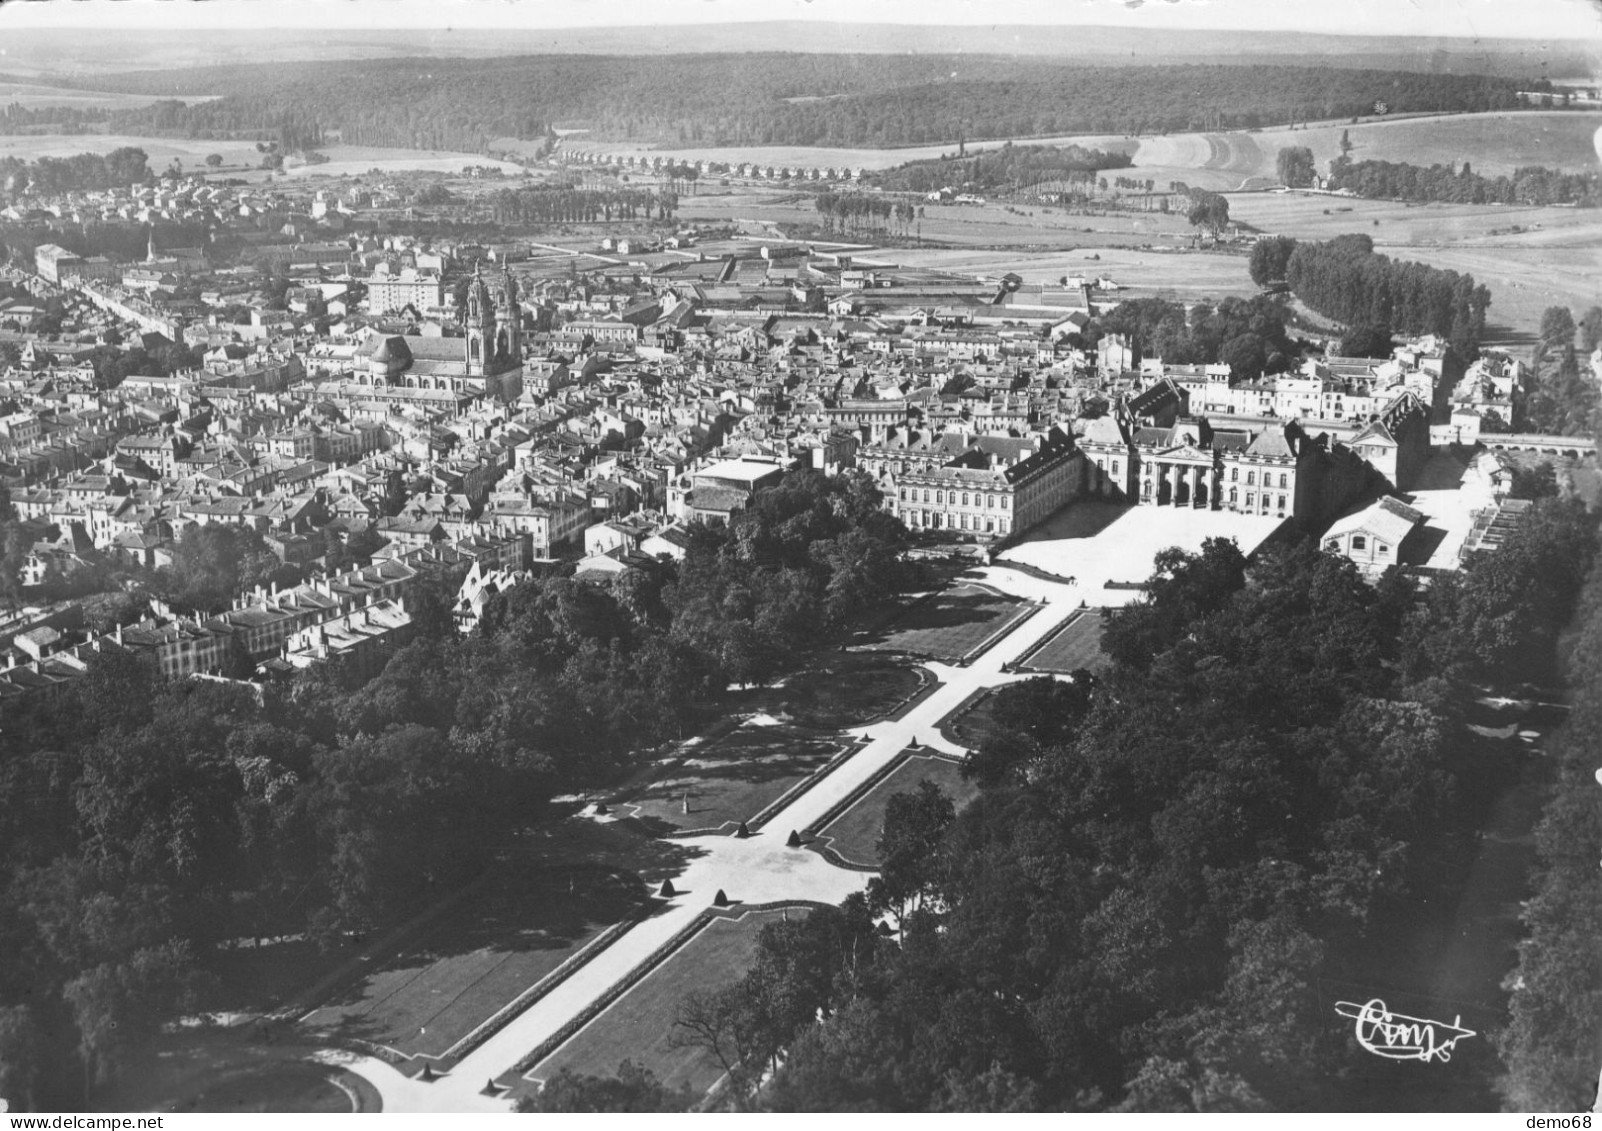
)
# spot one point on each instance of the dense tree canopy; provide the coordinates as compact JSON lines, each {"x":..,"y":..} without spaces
{"x":1245,"y":333}
{"x":1011,"y":167}
{"x":1165,"y":869}
{"x":151,"y":821}
{"x":1295,"y":166}
{"x":1346,"y":280}
{"x":797,"y":98}
{"x":1443,"y":183}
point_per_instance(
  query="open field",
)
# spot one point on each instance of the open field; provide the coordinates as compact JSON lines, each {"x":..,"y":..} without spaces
{"x":344,"y":160}
{"x":32,"y":95}
{"x":358,"y":160}
{"x":639,"y":1025}
{"x":731,"y":779}
{"x":820,"y":157}
{"x":853,"y":689}
{"x":950,"y":626}
{"x":457,"y":974}
{"x":160,"y":149}
{"x":1322,"y":216}
{"x":1077,"y":645}
{"x":1493,"y":143}
{"x":977,"y":226}
{"x":1555,"y":260}
{"x":854,"y":834}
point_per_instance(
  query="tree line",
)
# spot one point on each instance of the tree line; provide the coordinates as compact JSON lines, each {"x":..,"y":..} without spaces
{"x":1345,"y":279}
{"x":83,"y":172}
{"x":1397,"y":180}
{"x":854,"y":212}
{"x":1011,"y":167}
{"x":151,"y":823}
{"x":1167,"y":867}
{"x":558,"y":204}
{"x":760,"y":98}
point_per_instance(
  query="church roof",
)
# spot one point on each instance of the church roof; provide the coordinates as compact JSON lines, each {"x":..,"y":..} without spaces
{"x":1269,"y":442}
{"x":391,"y":349}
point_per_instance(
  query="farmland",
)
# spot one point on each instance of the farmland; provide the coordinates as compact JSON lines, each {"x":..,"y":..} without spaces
{"x":1493,"y":143}
{"x":343,"y":160}
{"x":32,"y":95}
{"x":825,"y":157}
{"x":358,"y":160}
{"x":1552,"y":260}
{"x":161,"y":149}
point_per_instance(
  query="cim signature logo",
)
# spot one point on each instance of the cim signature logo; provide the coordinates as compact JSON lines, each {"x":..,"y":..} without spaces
{"x":1397,"y":1036}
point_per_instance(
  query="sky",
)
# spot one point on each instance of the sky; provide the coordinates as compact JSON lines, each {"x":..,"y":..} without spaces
{"x":1492,"y":19}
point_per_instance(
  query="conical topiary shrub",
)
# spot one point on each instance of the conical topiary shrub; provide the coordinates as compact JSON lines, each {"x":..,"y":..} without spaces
{"x":721,"y":900}
{"x":794,"y":840}
{"x":668,"y":890}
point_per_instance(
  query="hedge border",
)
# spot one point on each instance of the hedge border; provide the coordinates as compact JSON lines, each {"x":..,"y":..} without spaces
{"x":680,"y":938}
{"x":972,"y":700}
{"x":1022,"y":662}
{"x":526,"y":1000}
{"x":815,"y":832}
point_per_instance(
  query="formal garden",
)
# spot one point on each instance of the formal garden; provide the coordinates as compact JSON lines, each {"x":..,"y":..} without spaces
{"x":1074,"y":646}
{"x":516,"y":928}
{"x":639,"y":1025}
{"x":852,"y":836}
{"x":953,"y":626}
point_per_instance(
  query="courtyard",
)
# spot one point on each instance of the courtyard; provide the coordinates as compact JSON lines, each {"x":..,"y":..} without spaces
{"x":1094,"y":542}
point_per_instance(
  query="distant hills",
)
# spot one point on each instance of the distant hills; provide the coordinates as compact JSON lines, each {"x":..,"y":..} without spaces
{"x":63,"y":54}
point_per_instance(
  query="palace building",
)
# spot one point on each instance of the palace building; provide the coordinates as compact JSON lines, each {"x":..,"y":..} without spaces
{"x":997,"y":487}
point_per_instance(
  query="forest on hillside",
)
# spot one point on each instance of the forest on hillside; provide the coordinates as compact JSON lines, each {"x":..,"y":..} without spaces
{"x":747,"y":99}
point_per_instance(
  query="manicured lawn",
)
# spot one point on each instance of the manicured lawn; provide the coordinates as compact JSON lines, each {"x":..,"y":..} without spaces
{"x":952,"y":625}
{"x":282,"y":1088}
{"x":731,"y":780}
{"x":639,"y":1025}
{"x":854,"y":688}
{"x":971,"y":724}
{"x":1077,"y":646}
{"x":854,"y":833}
{"x":477,"y":958}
